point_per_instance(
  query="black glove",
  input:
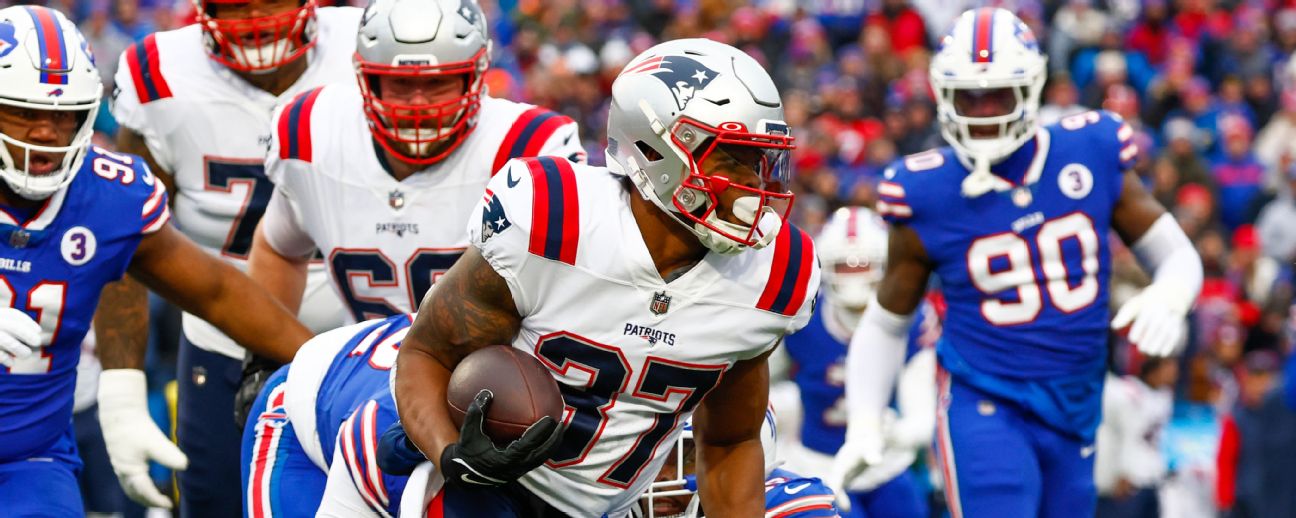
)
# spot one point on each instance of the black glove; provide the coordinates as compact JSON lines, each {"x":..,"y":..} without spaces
{"x":397,"y":455}
{"x":476,"y":461}
{"x":256,"y":370}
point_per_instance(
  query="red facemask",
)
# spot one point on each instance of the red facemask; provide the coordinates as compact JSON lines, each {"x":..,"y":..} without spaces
{"x":771,"y":164}
{"x":260,"y":43}
{"x":422,"y":134}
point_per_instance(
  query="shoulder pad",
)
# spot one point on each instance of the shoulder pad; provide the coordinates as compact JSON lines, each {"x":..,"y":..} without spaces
{"x":293,"y":128}
{"x":1108,"y":134}
{"x":131,"y":173}
{"x":528,"y":135}
{"x":791,"y":273}
{"x":145,"y":68}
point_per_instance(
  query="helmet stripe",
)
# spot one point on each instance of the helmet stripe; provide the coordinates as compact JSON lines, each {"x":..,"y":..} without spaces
{"x":53,"y":51}
{"x":982,"y":42}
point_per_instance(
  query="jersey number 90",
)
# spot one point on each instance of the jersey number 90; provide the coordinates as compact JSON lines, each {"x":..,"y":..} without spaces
{"x":1002,"y":262}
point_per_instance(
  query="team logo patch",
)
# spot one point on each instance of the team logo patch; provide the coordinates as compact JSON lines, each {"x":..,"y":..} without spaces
{"x":396,"y":199}
{"x":494,"y":220}
{"x":660,"y":303}
{"x":683,"y":76}
{"x":1075,"y":181}
{"x":466,"y":11}
{"x":8,"y":39}
{"x":78,"y":246}
{"x":57,"y":92}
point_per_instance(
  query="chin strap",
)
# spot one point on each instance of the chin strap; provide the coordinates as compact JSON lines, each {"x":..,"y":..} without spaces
{"x":767,"y":226}
{"x":980,"y":180}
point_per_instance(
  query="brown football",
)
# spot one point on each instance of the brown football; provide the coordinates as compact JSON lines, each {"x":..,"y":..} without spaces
{"x":523,"y":388}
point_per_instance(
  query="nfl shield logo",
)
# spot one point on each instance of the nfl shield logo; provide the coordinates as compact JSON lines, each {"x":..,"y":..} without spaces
{"x":396,"y":199}
{"x":19,"y":238}
{"x":660,"y":303}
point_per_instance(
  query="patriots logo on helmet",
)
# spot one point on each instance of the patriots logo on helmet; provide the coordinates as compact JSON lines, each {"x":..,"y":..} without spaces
{"x":8,"y":40}
{"x":493,"y":219}
{"x":467,"y":12}
{"x":683,"y":76}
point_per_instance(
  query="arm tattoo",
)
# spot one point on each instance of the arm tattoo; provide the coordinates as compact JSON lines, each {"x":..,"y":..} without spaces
{"x":470,"y":308}
{"x":121,"y":325}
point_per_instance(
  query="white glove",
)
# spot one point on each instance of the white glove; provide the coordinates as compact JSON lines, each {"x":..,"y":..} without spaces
{"x":132,"y":438}
{"x":1157,"y":314}
{"x":20,"y":336}
{"x":864,"y":446}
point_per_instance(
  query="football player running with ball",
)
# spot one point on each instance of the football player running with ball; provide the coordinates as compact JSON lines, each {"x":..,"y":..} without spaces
{"x":653,"y":290}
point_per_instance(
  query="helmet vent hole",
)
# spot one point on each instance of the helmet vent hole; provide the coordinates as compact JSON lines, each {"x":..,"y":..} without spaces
{"x":720,"y":102}
{"x":648,"y":151}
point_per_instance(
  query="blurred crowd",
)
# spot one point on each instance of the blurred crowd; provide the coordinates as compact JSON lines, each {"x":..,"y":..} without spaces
{"x":1209,"y":86}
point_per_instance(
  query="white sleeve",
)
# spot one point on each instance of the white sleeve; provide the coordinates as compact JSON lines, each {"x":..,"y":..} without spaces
{"x":916,"y":398}
{"x":131,"y":113}
{"x":874,"y":359}
{"x":281,"y":225}
{"x":1165,"y":251}
{"x":500,"y":228}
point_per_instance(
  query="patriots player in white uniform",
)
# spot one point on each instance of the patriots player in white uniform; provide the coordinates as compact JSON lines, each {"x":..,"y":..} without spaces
{"x":653,"y":290}
{"x":73,"y":219}
{"x":1013,"y":217}
{"x":197,"y":102}
{"x":852,"y":246}
{"x":382,"y":179}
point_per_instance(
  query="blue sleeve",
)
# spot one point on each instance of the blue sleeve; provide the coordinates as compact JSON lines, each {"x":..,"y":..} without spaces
{"x":358,"y":440}
{"x":800,"y":498}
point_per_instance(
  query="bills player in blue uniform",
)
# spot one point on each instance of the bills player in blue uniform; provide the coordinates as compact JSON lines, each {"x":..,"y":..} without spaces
{"x":1013,"y":218}
{"x":74,"y":218}
{"x":332,"y":401}
{"x":852,"y":246}
{"x":787,"y":494}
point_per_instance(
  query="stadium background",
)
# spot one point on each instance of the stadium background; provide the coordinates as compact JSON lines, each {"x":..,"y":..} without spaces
{"x":1209,"y":86}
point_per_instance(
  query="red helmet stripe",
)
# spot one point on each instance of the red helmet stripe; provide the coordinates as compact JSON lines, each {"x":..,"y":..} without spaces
{"x":983,"y":30}
{"x":53,"y":49}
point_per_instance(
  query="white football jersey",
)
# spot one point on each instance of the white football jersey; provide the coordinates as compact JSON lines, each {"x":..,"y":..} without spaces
{"x":632,"y":354}
{"x":210,"y":129}
{"x":386,"y":241}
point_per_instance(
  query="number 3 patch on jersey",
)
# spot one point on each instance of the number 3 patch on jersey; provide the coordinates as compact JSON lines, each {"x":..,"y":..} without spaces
{"x":493,"y":219}
{"x":78,"y":246}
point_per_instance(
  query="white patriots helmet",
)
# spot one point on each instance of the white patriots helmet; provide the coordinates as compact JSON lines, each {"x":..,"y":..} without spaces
{"x":420,"y":39}
{"x":988,"y":49}
{"x":853,"y":249}
{"x":45,"y":65}
{"x":685,"y":484}
{"x":675,"y":104}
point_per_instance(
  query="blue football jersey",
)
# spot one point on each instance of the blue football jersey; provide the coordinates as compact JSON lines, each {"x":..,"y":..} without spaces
{"x":788,"y":495}
{"x":819,"y":363}
{"x":53,"y":266}
{"x":355,"y":406}
{"x":1024,"y":270}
